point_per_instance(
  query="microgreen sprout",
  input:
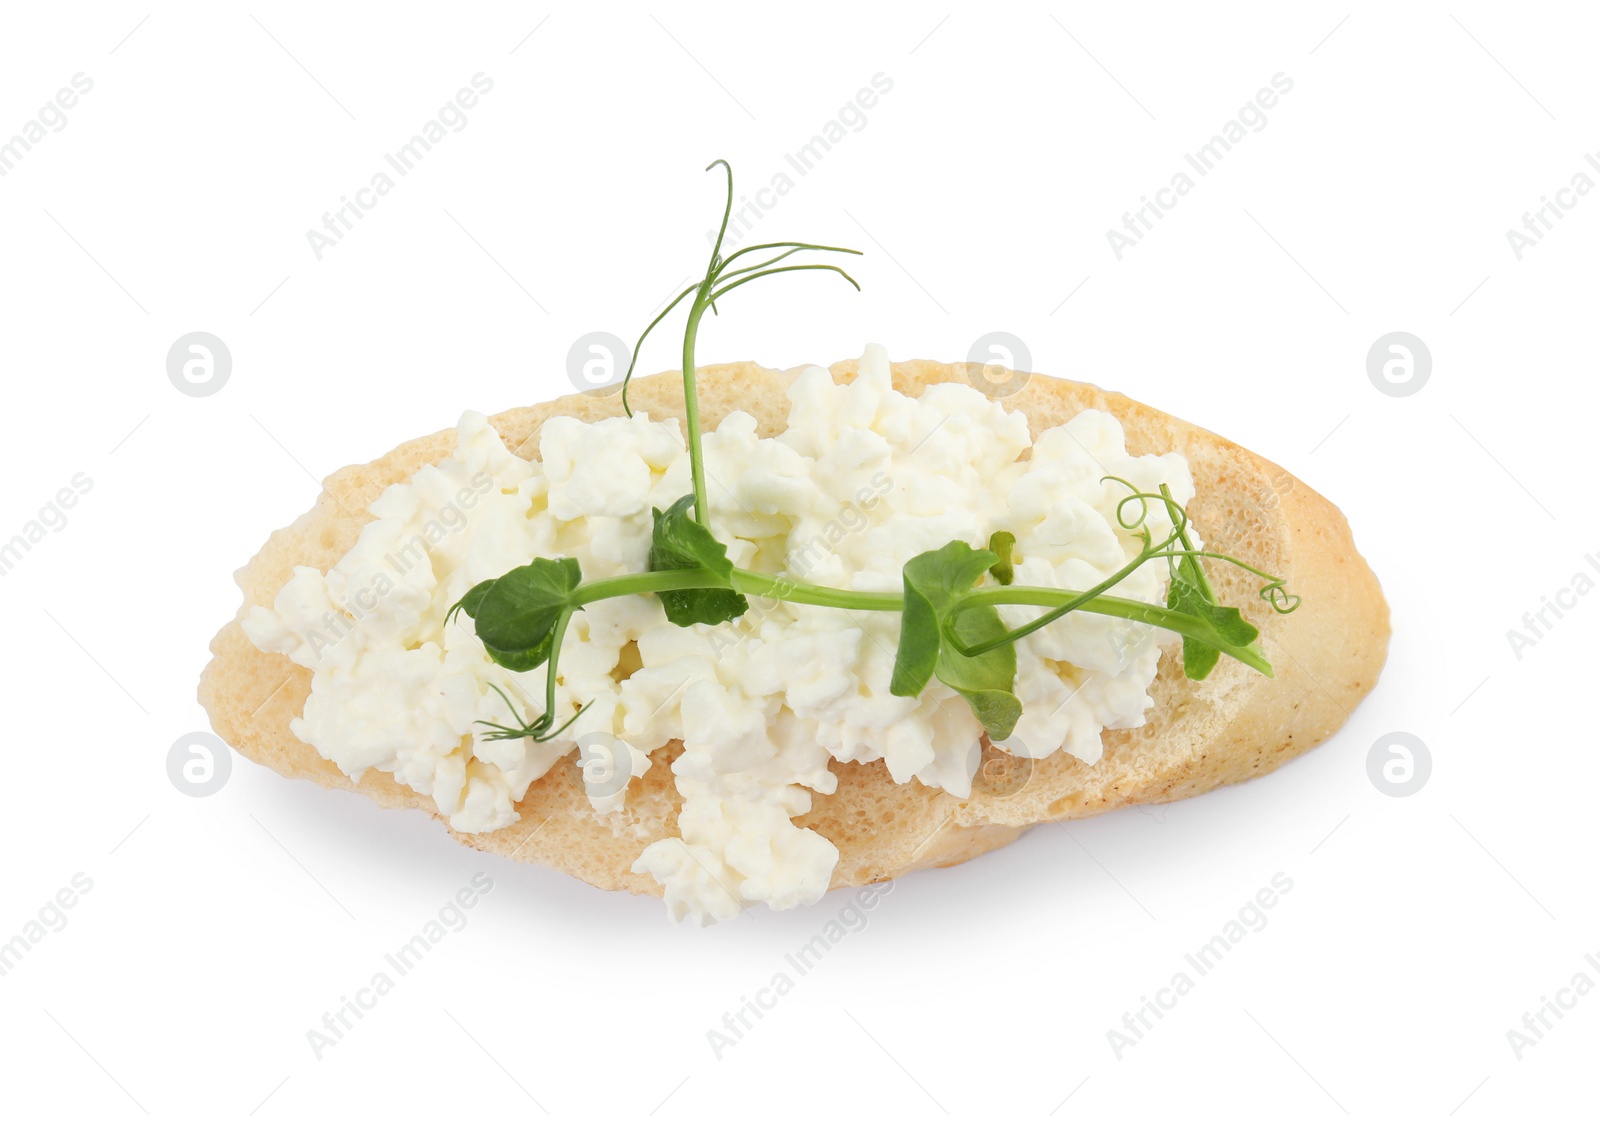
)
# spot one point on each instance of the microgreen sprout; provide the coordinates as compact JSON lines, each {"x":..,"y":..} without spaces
{"x":716,"y":283}
{"x":950,"y":628}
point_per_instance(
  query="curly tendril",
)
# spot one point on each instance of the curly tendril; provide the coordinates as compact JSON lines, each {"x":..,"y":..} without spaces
{"x":1275,"y":592}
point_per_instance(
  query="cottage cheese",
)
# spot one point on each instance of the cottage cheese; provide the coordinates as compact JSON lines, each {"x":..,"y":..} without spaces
{"x":862,"y":479}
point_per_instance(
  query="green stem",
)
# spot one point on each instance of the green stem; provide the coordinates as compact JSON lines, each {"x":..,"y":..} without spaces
{"x":1081,"y":599}
{"x":1196,"y":575}
{"x":763,"y":584}
{"x":779,"y":588}
{"x":633,"y":583}
{"x":691,"y":408}
{"x":1157,"y":616}
{"x":550,"y":666}
{"x":744,"y":580}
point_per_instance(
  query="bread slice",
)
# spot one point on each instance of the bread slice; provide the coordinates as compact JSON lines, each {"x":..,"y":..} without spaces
{"x":1235,"y":725}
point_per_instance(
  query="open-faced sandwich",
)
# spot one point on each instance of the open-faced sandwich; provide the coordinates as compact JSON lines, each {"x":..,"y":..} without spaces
{"x":735,"y":635}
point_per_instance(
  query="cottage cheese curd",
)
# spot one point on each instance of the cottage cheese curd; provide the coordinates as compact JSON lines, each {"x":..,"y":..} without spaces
{"x":862,"y":479}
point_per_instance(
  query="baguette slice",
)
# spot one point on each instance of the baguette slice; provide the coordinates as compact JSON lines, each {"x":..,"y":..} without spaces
{"x":1235,"y":725}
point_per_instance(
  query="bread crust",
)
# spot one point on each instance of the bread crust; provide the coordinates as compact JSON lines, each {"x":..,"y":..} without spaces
{"x":1233,"y":726}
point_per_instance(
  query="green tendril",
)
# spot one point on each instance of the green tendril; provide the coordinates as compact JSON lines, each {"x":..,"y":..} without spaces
{"x":1275,"y":592}
{"x":717,"y":281}
{"x":538,"y":730}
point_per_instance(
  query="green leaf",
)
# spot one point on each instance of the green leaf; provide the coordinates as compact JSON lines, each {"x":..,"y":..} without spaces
{"x":918,"y":653}
{"x":1001,"y":544}
{"x":934,"y":582}
{"x":470,"y":601}
{"x":997,"y":711}
{"x":1199,"y":657}
{"x":986,"y":680}
{"x":1190,"y":592}
{"x":517,"y":614}
{"x":525,"y":660}
{"x":679,"y":542}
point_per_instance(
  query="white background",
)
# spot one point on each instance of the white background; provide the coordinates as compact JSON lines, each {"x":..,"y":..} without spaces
{"x":1377,"y":198}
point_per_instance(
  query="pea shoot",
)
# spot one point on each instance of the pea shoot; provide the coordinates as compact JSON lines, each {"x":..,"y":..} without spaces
{"x":950,"y":628}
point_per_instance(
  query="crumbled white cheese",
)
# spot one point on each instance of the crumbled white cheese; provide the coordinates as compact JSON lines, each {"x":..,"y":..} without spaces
{"x":862,"y":479}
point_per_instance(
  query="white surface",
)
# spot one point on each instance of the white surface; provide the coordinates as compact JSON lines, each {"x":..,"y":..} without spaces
{"x":1418,"y":930}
